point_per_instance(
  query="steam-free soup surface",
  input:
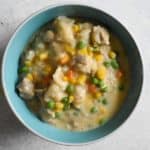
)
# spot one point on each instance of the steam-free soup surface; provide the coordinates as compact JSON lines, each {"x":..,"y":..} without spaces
{"x":73,"y":74}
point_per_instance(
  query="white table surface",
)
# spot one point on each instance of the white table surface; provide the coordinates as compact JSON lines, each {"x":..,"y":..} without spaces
{"x":135,"y":133}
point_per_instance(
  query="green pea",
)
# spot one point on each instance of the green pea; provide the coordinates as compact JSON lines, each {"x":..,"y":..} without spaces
{"x":70,"y":89}
{"x":114,"y":64}
{"x":95,"y":49}
{"x":95,"y":80}
{"x":24,"y":69}
{"x":104,"y":88}
{"x":121,"y":87}
{"x":104,"y":101}
{"x":51,"y":104}
{"x":76,"y":113}
{"x":65,"y":100}
{"x":102,"y":121}
{"x":101,"y":84}
{"x":66,"y":106}
{"x":107,"y":64}
{"x":93,"y":110}
{"x":58,"y":115}
{"x":80,"y":45}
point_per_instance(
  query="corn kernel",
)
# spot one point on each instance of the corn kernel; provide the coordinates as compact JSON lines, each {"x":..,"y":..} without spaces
{"x":65,"y":78}
{"x":64,"y":59}
{"x":101,"y":73}
{"x":71,"y":98}
{"x":99,"y":57}
{"x":81,"y":79}
{"x":48,"y":69}
{"x":73,"y":80}
{"x":28,"y":63}
{"x":69,"y":49}
{"x":112,"y":54}
{"x":29,"y":76}
{"x":103,"y":110}
{"x":98,"y":94}
{"x":59,"y":106}
{"x":83,"y":51}
{"x":43,"y":56}
{"x":76,"y":28}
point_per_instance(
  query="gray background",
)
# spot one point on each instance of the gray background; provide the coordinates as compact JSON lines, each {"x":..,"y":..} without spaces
{"x":135,"y":133}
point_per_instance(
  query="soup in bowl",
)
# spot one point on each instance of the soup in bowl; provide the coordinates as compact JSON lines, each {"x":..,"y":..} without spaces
{"x":73,"y":74}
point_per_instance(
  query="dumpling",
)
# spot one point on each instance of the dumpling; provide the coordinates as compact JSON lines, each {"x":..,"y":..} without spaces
{"x":85,"y":64}
{"x":26,"y":88}
{"x":63,"y":26}
{"x":57,"y":77}
{"x":55,"y":92}
{"x":100,"y":35}
{"x":84,"y":34}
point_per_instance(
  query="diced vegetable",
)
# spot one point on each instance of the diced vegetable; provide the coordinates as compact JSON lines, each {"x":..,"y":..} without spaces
{"x":112,"y":55}
{"x":102,"y":121}
{"x":65,"y":78}
{"x":28,"y":63}
{"x":121,"y":87}
{"x":66,"y":106}
{"x":65,"y":59}
{"x":99,"y":57}
{"x":107,"y":64}
{"x":101,"y":73}
{"x":80,"y":45}
{"x":81,"y":79}
{"x":75,"y":113}
{"x":24,"y":69}
{"x":43,"y":55}
{"x":65,"y":100}
{"x":58,"y":115}
{"x":119,"y":74}
{"x":104,"y":101}
{"x":98,"y":94}
{"x":71,"y":98}
{"x":92,"y":88}
{"x":30,"y":76}
{"x":76,"y":28}
{"x":59,"y":106}
{"x":66,"y":103}
{"x":69,"y":49}
{"x":95,"y":80}
{"x":104,"y":88}
{"x":93,"y":109}
{"x":51,"y":104}
{"x":83,"y":51}
{"x":70,"y":89}
{"x":70,"y":74}
{"x":114,"y":64}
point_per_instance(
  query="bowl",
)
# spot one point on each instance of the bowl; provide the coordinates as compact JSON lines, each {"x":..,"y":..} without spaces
{"x":10,"y":66}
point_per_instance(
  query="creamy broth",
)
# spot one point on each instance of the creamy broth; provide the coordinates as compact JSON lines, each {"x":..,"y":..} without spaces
{"x":73,"y":75}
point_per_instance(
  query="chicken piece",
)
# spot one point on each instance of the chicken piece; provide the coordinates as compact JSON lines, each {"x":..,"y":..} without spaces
{"x":84,"y":34}
{"x":26,"y":88}
{"x":48,"y":36}
{"x":80,"y":94}
{"x":58,"y":78}
{"x":55,"y":92}
{"x":85,"y":64}
{"x":30,"y":55}
{"x":58,"y":50}
{"x":63,"y":26}
{"x":100,"y":35}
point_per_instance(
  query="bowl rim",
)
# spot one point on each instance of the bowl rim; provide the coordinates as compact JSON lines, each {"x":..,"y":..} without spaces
{"x":61,"y":4}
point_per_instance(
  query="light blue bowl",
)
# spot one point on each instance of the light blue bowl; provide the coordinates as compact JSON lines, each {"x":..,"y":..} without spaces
{"x":10,"y":66}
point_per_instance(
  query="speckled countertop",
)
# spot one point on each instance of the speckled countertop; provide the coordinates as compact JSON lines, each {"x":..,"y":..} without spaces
{"x":135,"y":133}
